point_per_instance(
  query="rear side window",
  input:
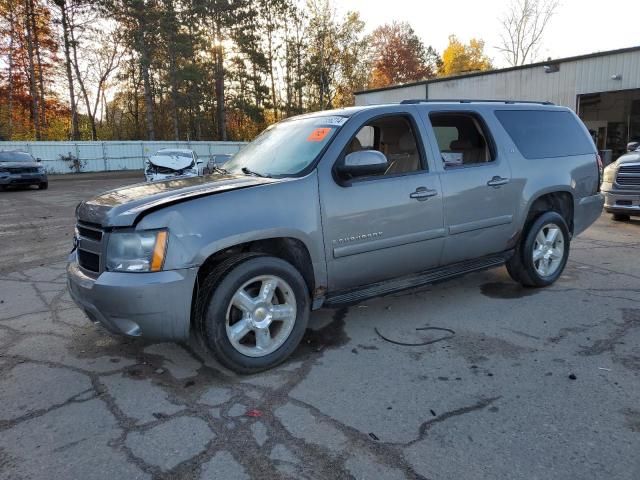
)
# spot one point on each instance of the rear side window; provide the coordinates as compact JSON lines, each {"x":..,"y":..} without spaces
{"x":545,"y":133}
{"x":461,"y":139}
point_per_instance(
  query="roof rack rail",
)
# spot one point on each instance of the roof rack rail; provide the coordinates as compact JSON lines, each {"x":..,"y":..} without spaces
{"x":464,"y":100}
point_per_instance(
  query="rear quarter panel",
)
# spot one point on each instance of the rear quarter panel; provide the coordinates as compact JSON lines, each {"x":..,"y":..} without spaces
{"x":535,"y":177}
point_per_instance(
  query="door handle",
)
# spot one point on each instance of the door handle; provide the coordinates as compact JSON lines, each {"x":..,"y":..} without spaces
{"x":497,"y":181}
{"x":423,"y":193}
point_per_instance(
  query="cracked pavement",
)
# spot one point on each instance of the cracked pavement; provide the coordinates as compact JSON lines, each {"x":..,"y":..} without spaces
{"x":493,"y":402}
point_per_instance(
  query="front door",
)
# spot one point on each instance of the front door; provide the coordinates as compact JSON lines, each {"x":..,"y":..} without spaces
{"x":480,"y":198}
{"x":388,"y":225}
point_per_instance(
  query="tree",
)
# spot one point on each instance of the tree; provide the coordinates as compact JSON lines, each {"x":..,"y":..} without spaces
{"x":27,"y":40}
{"x":354,"y":65}
{"x":334,"y":51}
{"x":139,"y":22}
{"x":523,"y":27}
{"x":66,"y":25}
{"x":399,"y":56}
{"x":460,"y":58}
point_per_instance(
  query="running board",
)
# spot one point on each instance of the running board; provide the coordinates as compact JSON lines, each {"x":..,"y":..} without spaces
{"x":418,"y":280}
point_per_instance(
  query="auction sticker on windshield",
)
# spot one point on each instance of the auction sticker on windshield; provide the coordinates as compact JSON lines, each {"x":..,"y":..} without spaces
{"x":319,"y":134}
{"x":337,"y":121}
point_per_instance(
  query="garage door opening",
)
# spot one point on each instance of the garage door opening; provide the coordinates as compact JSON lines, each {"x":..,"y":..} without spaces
{"x":613,"y":119}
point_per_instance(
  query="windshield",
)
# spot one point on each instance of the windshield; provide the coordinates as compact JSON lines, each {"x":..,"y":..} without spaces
{"x":285,"y":148}
{"x":15,"y":157}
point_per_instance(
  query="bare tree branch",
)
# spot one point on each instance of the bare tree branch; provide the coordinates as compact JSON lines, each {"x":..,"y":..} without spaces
{"x":523,"y":28}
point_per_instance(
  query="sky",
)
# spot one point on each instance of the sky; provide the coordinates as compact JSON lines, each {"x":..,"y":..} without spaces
{"x":579,"y":26}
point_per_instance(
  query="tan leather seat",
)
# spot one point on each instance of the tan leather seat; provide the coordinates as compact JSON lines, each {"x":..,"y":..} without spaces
{"x":354,"y":146}
{"x":470,"y":153}
{"x":405,"y":159}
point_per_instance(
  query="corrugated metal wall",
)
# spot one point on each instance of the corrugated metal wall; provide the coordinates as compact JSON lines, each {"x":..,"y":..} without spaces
{"x":575,"y":77}
{"x":107,"y":156}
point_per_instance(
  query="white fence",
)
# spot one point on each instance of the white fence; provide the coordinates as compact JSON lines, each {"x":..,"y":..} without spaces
{"x":109,"y":156}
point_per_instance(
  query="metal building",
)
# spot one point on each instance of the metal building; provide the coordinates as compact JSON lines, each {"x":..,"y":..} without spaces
{"x":602,"y":88}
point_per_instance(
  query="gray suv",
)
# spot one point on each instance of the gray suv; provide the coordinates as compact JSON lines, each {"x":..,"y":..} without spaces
{"x":332,"y":208}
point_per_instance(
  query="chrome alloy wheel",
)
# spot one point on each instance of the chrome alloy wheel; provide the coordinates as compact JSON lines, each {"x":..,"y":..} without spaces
{"x":261,"y":316}
{"x":548,"y":250}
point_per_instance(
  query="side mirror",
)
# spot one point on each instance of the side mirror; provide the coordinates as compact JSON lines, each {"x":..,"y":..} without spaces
{"x":362,"y":163}
{"x":38,"y":160}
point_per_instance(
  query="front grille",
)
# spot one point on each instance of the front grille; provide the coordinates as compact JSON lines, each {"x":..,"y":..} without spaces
{"x":26,"y":181}
{"x":628,"y":180}
{"x":167,"y":171}
{"x":88,"y":260}
{"x":629,"y":169}
{"x":23,"y":170}
{"x":89,"y":246}
{"x":92,"y":233}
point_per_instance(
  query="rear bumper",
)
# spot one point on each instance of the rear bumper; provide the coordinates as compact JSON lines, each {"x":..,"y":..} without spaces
{"x":627,"y":203}
{"x":152,"y":305}
{"x":587,"y":211}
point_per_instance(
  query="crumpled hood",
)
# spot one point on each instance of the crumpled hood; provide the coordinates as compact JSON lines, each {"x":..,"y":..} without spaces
{"x":19,"y":164}
{"x":124,"y":206}
{"x":173,"y":162}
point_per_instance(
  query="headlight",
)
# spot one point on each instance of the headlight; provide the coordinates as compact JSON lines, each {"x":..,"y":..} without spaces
{"x":136,"y":251}
{"x":609,"y":174}
{"x":40,"y":169}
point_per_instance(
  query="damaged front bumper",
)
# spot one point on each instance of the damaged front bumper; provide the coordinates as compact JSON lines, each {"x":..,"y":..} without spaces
{"x":153,"y":305}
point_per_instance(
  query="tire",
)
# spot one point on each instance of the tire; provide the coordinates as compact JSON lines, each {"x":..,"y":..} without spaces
{"x":218,"y":310}
{"x":620,"y":217}
{"x":43,"y":186}
{"x":545,"y":270}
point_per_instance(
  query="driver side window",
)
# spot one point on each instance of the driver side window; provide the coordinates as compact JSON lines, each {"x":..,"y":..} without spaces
{"x":395,"y":138}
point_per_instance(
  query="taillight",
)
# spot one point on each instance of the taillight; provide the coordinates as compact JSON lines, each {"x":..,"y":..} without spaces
{"x":600,"y":169}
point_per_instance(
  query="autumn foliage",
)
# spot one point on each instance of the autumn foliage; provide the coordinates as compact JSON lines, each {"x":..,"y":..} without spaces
{"x":28,"y":106}
{"x":196,"y":69}
{"x":464,"y":58}
{"x":399,"y":56}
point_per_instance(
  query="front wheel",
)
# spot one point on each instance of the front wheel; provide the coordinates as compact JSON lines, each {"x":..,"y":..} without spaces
{"x":542,"y":254}
{"x":43,"y":185}
{"x":254,"y":312}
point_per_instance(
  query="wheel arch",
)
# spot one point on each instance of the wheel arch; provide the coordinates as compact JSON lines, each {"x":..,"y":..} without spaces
{"x":558,"y":199}
{"x":290,"y":249}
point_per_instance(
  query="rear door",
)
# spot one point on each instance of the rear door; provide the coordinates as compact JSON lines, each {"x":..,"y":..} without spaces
{"x":385,"y":226}
{"x":479,"y":197}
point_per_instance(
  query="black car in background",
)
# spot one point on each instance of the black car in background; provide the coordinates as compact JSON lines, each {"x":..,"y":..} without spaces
{"x":21,"y":169}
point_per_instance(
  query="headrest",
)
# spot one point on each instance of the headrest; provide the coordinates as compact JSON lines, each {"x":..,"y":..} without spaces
{"x":407,"y":143}
{"x":355,"y":146}
{"x":460,"y":145}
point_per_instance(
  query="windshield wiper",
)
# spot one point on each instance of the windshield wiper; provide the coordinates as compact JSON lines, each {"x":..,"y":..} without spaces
{"x":247,"y":171}
{"x":220,"y":170}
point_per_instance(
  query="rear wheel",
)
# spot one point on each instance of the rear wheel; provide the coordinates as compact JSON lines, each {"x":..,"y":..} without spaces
{"x":621,"y":217}
{"x":543,"y":252}
{"x":253,"y":311}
